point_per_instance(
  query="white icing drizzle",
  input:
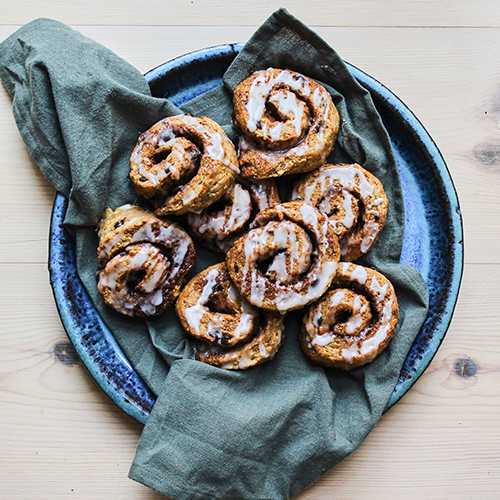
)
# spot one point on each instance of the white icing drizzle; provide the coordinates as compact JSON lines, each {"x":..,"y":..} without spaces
{"x":245,"y":356}
{"x":378,"y":291}
{"x":288,"y":104}
{"x":275,"y":131}
{"x":261,"y":195}
{"x":156,"y":175}
{"x":108,"y":247}
{"x":233,"y":293}
{"x":356,"y":319}
{"x":214,"y":149}
{"x":240,"y":208}
{"x":360,"y":275}
{"x":370,"y":232}
{"x":144,"y":233}
{"x":138,"y":160}
{"x":148,"y":258}
{"x":344,"y":267}
{"x":157,"y":297}
{"x":262,"y":350}
{"x":245,"y":360}
{"x":353,"y":183}
{"x":196,"y":312}
{"x":221,"y":224}
{"x":287,"y":295}
{"x":346,"y":176}
{"x":362,"y":336}
{"x":188,"y":195}
{"x":349,"y":217}
{"x":328,"y":337}
{"x":262,"y":86}
{"x":301,"y":148}
{"x":170,"y":236}
{"x":246,"y":319}
{"x":309,"y":214}
{"x":372,"y":342}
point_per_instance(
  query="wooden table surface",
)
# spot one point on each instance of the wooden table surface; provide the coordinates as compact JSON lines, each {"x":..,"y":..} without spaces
{"x":60,"y":436}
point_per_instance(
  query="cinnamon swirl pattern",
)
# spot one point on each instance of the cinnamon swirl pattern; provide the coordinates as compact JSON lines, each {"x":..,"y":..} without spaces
{"x":183,"y":164}
{"x":354,"y":201}
{"x":288,"y":258}
{"x":354,"y":322}
{"x":219,"y":226}
{"x":230,"y":333}
{"x":288,"y":121}
{"x":143,"y":260}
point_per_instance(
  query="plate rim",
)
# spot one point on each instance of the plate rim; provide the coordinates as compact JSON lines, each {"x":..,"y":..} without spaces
{"x":141,"y":411}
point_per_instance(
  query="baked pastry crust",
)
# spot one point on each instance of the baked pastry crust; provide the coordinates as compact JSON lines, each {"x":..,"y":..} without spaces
{"x":183,"y":164}
{"x":230,"y":333}
{"x":287,"y":260}
{"x":143,"y":261}
{"x":354,"y":201}
{"x":288,"y":121}
{"x":219,"y":226}
{"x":354,"y":322}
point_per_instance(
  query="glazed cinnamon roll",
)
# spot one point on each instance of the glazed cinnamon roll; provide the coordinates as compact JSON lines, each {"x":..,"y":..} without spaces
{"x":219,"y":226}
{"x":183,"y":164}
{"x":288,"y":121}
{"x":288,"y":258}
{"x":230,"y":332}
{"x":354,"y":322}
{"x":143,"y":260}
{"x":354,"y":201}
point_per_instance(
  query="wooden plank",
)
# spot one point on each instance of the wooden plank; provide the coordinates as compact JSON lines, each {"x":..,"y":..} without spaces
{"x":446,"y":13}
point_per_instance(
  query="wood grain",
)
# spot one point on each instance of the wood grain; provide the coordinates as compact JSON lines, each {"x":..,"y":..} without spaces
{"x":444,"y":13}
{"x":60,"y":436}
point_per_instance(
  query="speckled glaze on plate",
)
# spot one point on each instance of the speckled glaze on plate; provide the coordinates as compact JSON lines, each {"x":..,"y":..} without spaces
{"x":432,"y":243}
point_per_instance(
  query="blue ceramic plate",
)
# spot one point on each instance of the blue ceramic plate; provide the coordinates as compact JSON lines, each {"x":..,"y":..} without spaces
{"x":432,"y":239}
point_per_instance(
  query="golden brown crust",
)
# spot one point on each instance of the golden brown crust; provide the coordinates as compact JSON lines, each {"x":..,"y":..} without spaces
{"x":261,"y":348}
{"x":354,"y":322}
{"x":288,"y":258}
{"x":230,"y":332}
{"x":143,"y":260}
{"x":210,"y":309}
{"x":219,"y":226}
{"x":354,"y":201}
{"x":288,"y":121}
{"x":183,"y":164}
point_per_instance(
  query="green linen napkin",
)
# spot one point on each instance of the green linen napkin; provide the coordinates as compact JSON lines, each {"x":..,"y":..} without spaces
{"x":267,"y":432}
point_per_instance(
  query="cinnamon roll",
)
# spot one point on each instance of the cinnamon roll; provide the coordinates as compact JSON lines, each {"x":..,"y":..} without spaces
{"x":288,"y":258}
{"x":143,"y":260}
{"x":288,"y":121}
{"x":354,"y":322}
{"x":354,"y":201}
{"x":183,"y":164}
{"x":219,"y":226}
{"x":230,"y":332}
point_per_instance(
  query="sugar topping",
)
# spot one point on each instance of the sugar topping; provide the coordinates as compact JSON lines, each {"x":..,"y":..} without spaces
{"x":293,"y":277}
{"x":262,"y":86}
